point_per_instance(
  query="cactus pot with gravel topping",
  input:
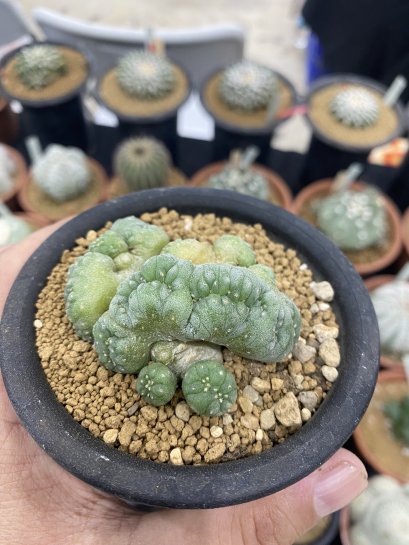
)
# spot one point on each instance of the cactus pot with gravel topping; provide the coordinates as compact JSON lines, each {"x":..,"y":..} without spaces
{"x":212,"y":337}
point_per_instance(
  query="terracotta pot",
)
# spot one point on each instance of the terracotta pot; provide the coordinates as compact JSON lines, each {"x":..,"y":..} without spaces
{"x":381,"y":451}
{"x":371,"y":284}
{"x":277,"y":184}
{"x":74,"y":206}
{"x":8,"y":123}
{"x":322,"y":187}
{"x":20,"y":179}
{"x":405,"y":233}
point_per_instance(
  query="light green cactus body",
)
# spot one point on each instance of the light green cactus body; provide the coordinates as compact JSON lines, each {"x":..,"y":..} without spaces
{"x":265,"y":273}
{"x":170,"y":299}
{"x":209,"y":388}
{"x":355,"y":107}
{"x":142,"y":163}
{"x":62,"y":173}
{"x":248,"y":86}
{"x":243,"y":180}
{"x":397,"y":411}
{"x":191,"y":249}
{"x":39,"y":65}
{"x":353,"y":220}
{"x":12,"y":228}
{"x":179,"y":356}
{"x":94,"y":277}
{"x":7,"y":170}
{"x":156,"y":384}
{"x":234,"y":250}
{"x":145,"y":75}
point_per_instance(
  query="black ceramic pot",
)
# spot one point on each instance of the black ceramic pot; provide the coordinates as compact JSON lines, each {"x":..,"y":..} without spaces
{"x":140,"y":481}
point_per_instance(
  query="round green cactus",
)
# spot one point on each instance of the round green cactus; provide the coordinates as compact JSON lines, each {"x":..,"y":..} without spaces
{"x":209,"y":388}
{"x":191,"y":249}
{"x":7,"y":170}
{"x":145,"y":75}
{"x":142,"y":163}
{"x":265,"y":273}
{"x":243,"y":180}
{"x":353,"y":220}
{"x":234,"y":250}
{"x":170,"y":298}
{"x":248,"y":86}
{"x":156,"y":384}
{"x":62,"y":173}
{"x":355,"y":107}
{"x":39,"y":65}
{"x":397,"y":411}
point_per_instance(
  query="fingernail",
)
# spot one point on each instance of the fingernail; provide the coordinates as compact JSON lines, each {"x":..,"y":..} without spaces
{"x":337,"y":486}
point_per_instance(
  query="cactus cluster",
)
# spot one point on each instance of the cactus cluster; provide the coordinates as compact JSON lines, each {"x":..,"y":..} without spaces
{"x":380,"y":515}
{"x":39,"y":65}
{"x":7,"y":170}
{"x":248,"y":86}
{"x":62,"y":173}
{"x":353,"y":220}
{"x":397,"y":412}
{"x":243,"y":180}
{"x":145,"y":75}
{"x":355,"y":107}
{"x":142,"y":163}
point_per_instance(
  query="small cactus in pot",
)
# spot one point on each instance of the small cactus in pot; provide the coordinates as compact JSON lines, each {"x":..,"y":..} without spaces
{"x":355,"y":107}
{"x":7,"y":170}
{"x":39,"y":65}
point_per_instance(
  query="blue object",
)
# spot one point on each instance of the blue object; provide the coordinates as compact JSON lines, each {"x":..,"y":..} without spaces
{"x":314,"y":61}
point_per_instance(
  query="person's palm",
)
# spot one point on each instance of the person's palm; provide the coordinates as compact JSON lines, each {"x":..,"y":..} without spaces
{"x":40,"y":503}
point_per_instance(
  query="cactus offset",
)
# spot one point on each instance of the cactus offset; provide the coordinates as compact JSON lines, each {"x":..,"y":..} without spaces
{"x":142,"y":163}
{"x":62,"y":173}
{"x":248,"y":86}
{"x":7,"y":170}
{"x":397,"y":411}
{"x":355,"y":107}
{"x":145,"y":75}
{"x":156,"y":384}
{"x":39,"y":65}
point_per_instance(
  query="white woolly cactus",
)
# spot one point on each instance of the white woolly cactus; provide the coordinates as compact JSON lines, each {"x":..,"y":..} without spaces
{"x":355,"y":107}
{"x":12,"y":228}
{"x":145,"y":75}
{"x":7,"y":170}
{"x":380,"y":515}
{"x":39,"y":65}
{"x":248,"y":86}
{"x":62,"y":173}
{"x":142,"y":163}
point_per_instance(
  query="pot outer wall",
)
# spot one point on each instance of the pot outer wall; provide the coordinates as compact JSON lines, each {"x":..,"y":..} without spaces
{"x":8,"y":123}
{"x":142,"y":482}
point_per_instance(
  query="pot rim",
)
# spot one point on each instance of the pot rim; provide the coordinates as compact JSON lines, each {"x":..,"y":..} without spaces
{"x":145,"y":482}
{"x":405,"y":230}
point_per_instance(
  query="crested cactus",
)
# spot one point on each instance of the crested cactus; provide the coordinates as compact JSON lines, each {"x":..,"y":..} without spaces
{"x":62,"y":173}
{"x":355,"y":107}
{"x":94,"y":277}
{"x":156,"y":384}
{"x":39,"y":65}
{"x":170,"y":298}
{"x":243,"y":180}
{"x":380,"y":515}
{"x":353,"y":220}
{"x":209,"y":388}
{"x":248,"y":86}
{"x":7,"y":170}
{"x":397,"y":412}
{"x":145,"y":75}
{"x":142,"y":163}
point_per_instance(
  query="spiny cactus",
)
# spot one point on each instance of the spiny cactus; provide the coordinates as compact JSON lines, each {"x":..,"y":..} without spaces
{"x":170,"y":298}
{"x":7,"y":170}
{"x":156,"y":384}
{"x":355,"y":107}
{"x":94,"y":277}
{"x":39,"y":65}
{"x":62,"y":173}
{"x":248,"y":86}
{"x":145,"y":75}
{"x":142,"y":163}
{"x":243,"y":180}
{"x":397,"y":411}
{"x":353,"y":220}
{"x":209,"y":388}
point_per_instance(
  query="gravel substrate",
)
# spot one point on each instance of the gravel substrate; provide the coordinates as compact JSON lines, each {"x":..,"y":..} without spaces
{"x":274,"y":400}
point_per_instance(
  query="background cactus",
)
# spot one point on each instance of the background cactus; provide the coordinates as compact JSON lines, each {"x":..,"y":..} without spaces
{"x":145,"y":75}
{"x":39,"y":65}
{"x":353,"y":220}
{"x":142,"y":163}
{"x":243,"y":180}
{"x":12,"y":228}
{"x":156,"y":384}
{"x":62,"y":173}
{"x":397,"y":411}
{"x":7,"y":170}
{"x":355,"y":107}
{"x":248,"y":86}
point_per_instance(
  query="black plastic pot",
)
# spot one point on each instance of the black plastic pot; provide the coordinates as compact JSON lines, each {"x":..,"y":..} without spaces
{"x":140,"y":481}
{"x":58,"y":120}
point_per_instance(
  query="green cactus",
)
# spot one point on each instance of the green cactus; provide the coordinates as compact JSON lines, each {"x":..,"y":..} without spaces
{"x":209,"y":388}
{"x":248,"y":86}
{"x":12,"y":228}
{"x":172,"y":299}
{"x":265,"y":273}
{"x":94,"y":277}
{"x":142,"y":163}
{"x":39,"y":65}
{"x":243,"y":180}
{"x":7,"y":170}
{"x":156,"y":384}
{"x":191,"y":249}
{"x":397,"y":411}
{"x":353,"y":220}
{"x":355,"y":107}
{"x":62,"y":173}
{"x":145,"y":75}
{"x":234,"y":250}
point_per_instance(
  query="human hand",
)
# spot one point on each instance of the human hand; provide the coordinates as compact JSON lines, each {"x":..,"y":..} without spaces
{"x":42,"y":504}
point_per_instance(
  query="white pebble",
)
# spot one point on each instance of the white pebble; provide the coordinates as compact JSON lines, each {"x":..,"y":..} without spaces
{"x":182,"y":411}
{"x":259,"y":435}
{"x":305,"y":414}
{"x":330,"y":373}
{"x":216,"y":431}
{"x":176,"y":457}
{"x":227,"y":419}
{"x":38,"y":324}
{"x":322,"y":290}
